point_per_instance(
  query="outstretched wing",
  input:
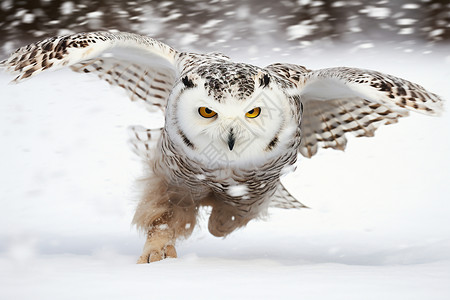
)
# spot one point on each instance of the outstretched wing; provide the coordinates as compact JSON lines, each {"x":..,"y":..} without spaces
{"x":143,"y":141}
{"x":144,"y":67}
{"x":325,"y":123}
{"x":283,"y":199}
{"x":340,"y":100}
{"x":143,"y":83}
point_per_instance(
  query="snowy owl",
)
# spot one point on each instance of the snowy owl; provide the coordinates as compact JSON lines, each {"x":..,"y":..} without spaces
{"x":231,"y":129}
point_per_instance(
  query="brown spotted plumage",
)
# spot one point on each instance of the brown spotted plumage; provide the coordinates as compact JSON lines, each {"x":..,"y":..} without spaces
{"x":231,"y":130}
{"x":142,"y":83}
{"x":360,"y":101}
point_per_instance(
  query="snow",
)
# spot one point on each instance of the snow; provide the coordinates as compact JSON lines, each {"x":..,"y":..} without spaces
{"x":28,"y":18}
{"x":300,"y":30}
{"x":437,"y":32}
{"x":406,"y":21}
{"x":237,"y":190}
{"x":406,"y":31}
{"x":6,"y":5}
{"x":67,"y":8}
{"x":410,"y":6}
{"x":211,"y":23}
{"x":378,"y":227}
{"x":366,"y":46}
{"x":188,"y":39}
{"x":377,"y":12}
{"x":338,"y":4}
{"x":95,"y":14}
{"x":200,"y":176}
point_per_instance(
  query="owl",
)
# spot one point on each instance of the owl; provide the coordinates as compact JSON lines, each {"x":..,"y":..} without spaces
{"x":231,"y":129}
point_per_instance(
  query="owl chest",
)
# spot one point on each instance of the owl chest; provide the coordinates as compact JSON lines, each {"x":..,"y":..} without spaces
{"x":235,"y":186}
{"x":238,"y":185}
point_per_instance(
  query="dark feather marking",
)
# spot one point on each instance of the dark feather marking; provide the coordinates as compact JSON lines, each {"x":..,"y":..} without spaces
{"x":401,"y":91}
{"x":186,"y":140}
{"x":272,"y":144}
{"x":157,"y":88}
{"x":264,"y":81}
{"x":187,"y":82}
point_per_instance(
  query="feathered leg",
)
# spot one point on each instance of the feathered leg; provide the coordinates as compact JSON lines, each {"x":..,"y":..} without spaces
{"x":225,"y":218}
{"x":163,"y":219}
{"x":160,"y":242}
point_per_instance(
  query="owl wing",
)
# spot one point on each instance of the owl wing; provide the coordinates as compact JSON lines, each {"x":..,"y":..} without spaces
{"x":340,"y":100}
{"x":142,"y":83}
{"x":283,"y":199}
{"x":143,"y":141}
{"x":144,"y":67}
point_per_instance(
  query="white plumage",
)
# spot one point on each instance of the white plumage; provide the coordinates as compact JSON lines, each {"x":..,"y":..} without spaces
{"x":231,"y":129}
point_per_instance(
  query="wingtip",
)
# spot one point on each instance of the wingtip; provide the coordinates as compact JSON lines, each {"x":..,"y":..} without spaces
{"x":440,"y":107}
{"x":18,"y":79}
{"x":14,"y":81}
{"x":434,"y":109}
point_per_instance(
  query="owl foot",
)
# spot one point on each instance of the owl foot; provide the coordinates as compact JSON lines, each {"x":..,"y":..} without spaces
{"x":155,"y":255}
{"x":158,"y":246}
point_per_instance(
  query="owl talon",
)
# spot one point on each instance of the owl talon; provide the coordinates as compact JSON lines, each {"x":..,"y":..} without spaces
{"x":155,"y":256}
{"x":171,"y":252}
{"x":157,"y":247}
{"x":143,"y":259}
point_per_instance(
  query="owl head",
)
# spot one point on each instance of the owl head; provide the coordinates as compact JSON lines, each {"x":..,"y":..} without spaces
{"x":230,"y":114}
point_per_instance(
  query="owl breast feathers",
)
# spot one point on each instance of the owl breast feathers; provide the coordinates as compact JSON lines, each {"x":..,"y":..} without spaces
{"x":231,"y":130}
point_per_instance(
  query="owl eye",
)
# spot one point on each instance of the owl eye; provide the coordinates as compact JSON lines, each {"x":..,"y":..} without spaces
{"x":206,"y":112}
{"x":253,"y":113}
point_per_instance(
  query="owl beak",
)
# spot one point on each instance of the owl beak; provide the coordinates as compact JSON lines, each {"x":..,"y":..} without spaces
{"x":231,"y":139}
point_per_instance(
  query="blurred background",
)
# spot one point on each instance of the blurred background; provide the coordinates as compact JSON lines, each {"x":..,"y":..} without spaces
{"x":237,"y":26}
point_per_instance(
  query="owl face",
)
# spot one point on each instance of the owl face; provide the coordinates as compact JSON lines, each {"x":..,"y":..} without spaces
{"x":229,"y":124}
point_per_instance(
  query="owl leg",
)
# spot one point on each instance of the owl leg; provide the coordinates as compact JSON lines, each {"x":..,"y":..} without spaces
{"x":165,"y":213}
{"x":224,"y":219}
{"x":164,"y":222}
{"x":176,"y":222}
{"x":160,"y":242}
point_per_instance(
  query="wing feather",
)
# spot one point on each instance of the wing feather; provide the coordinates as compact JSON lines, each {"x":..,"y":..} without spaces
{"x":376,"y":87}
{"x":141,"y":82}
{"x":144,"y":67}
{"x":325,"y":123}
{"x":143,"y":141}
{"x":337,"y":101}
{"x":283,"y":199}
{"x":57,"y":52}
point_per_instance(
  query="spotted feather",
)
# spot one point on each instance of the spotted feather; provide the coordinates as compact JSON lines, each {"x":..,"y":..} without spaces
{"x":340,"y":100}
{"x":283,"y":199}
{"x":325,"y":124}
{"x":141,"y":83}
{"x":58,"y":52}
{"x":143,"y":141}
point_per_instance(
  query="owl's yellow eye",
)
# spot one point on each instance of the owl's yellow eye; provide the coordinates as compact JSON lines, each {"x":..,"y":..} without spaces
{"x":206,"y":112}
{"x":253,"y":113}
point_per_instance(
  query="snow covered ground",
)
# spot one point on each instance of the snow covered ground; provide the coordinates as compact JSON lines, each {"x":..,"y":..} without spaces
{"x":378,"y":227}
